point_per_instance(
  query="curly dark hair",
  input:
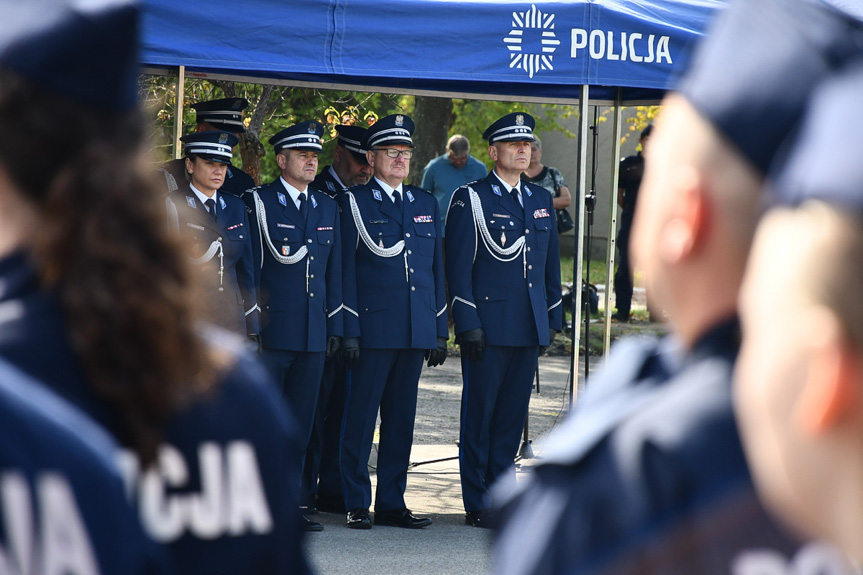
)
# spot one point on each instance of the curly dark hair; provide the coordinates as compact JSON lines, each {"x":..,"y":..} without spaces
{"x":104,"y":248}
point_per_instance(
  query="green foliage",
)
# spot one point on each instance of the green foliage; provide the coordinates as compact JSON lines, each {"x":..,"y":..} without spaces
{"x":644,"y":115}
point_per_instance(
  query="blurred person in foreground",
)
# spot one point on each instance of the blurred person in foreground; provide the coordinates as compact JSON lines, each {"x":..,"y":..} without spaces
{"x":99,"y":304}
{"x":648,"y":474}
{"x":799,"y":381}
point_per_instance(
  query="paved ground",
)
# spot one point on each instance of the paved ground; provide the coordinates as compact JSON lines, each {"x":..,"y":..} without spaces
{"x":447,"y":546}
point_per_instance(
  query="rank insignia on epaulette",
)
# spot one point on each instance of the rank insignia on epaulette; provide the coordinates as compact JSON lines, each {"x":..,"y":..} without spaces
{"x":282,"y":199}
{"x":331,"y":187}
{"x":495,"y":189}
{"x":191,"y":201}
{"x":409,"y":195}
{"x":314,"y":201}
{"x":222,"y":202}
{"x":377,"y":195}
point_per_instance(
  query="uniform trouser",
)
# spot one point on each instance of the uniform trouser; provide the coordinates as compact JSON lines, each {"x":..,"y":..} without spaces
{"x":494,"y":403}
{"x":321,"y":475}
{"x":385,"y":378}
{"x":623,"y":275}
{"x":298,"y":375}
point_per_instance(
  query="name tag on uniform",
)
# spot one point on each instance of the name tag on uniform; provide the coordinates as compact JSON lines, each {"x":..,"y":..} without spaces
{"x":540,"y":213}
{"x":194,"y":226}
{"x":423,"y":219}
{"x":504,"y":216}
{"x":289,"y":226}
{"x":379,"y":221}
{"x":282,"y":199}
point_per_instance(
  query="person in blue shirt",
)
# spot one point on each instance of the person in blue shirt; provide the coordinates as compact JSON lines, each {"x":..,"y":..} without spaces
{"x":301,"y":277}
{"x":216,"y":231}
{"x":799,"y":384}
{"x":100,"y":304}
{"x":395,"y":316}
{"x":445,"y":174}
{"x":648,"y":473}
{"x":503,"y":269}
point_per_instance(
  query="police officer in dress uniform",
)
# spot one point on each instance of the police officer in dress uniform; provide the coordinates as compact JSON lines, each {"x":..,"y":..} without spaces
{"x":322,"y":478}
{"x":216,"y":230}
{"x":648,"y":474}
{"x":503,"y":268}
{"x":223,"y":115}
{"x":396,"y":315}
{"x":101,"y":311}
{"x":301,"y":281}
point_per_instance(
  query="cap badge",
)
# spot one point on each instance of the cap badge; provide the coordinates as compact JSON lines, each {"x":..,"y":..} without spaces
{"x":519,"y":119}
{"x":400,"y":120}
{"x":223,"y":138}
{"x":238,"y":104}
{"x":312,"y":128}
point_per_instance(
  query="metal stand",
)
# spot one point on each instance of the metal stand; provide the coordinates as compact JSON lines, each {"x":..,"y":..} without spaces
{"x":589,"y":204}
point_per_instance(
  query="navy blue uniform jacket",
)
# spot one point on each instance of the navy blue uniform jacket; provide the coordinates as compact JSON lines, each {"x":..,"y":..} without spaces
{"x":646,"y":476}
{"x":326,"y":183}
{"x":58,"y":475}
{"x":221,"y":500}
{"x":393,"y":302}
{"x":235,"y":306}
{"x":301,"y":303}
{"x":515,"y":302}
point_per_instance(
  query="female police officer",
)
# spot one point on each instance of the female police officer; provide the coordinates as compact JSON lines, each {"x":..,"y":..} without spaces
{"x":98,"y":303}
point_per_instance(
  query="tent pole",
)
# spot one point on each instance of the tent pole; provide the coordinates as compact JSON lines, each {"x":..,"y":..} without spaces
{"x":178,"y":112}
{"x":578,"y":256}
{"x":612,"y":218}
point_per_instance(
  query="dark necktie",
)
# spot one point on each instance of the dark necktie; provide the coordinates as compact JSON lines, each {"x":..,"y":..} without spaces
{"x":514,"y":194}
{"x":302,"y":200}
{"x":397,"y":200}
{"x":211,"y":205}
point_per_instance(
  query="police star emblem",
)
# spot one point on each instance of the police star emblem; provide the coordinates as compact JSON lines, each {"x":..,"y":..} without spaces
{"x":223,"y":138}
{"x":519,"y":120}
{"x":400,"y":120}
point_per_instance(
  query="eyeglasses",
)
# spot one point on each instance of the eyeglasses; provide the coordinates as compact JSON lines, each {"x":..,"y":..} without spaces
{"x":393,"y":153}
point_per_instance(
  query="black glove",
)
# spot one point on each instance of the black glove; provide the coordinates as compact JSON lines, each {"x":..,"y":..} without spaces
{"x":350,"y":351}
{"x":437,"y":356}
{"x":255,"y":342}
{"x":334,"y":342}
{"x":472,"y":343}
{"x":552,"y":333}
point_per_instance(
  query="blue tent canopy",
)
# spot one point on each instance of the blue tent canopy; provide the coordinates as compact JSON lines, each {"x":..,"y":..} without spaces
{"x":541,"y":50}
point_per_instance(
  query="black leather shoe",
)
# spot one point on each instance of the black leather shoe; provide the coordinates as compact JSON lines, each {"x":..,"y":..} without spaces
{"x":310,"y":525}
{"x":330,"y":504}
{"x":359,"y":519}
{"x":480,"y":518}
{"x":401,"y":518}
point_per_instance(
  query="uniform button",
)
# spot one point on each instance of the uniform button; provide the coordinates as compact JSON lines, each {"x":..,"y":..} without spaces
{"x":241,"y":237}
{"x":220,"y":238}
{"x":312,"y":258}
{"x":380,"y":233}
{"x":312,"y":276}
{"x":529,"y":285}
{"x":530,"y":267}
{"x":410,"y":252}
{"x":367,"y":309}
{"x":412,"y":270}
{"x":328,"y":241}
{"x":527,"y":231}
{"x":311,"y":295}
{"x":413,"y":288}
{"x":486,"y":298}
{"x":310,"y":240}
{"x":429,"y":233}
{"x":528,"y":249}
{"x":284,"y":239}
{"x":407,"y":235}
